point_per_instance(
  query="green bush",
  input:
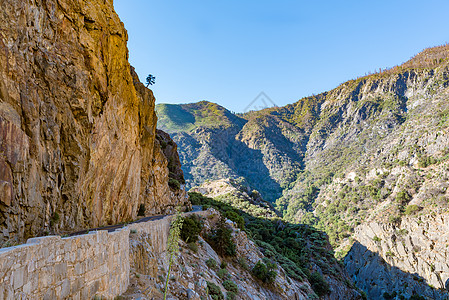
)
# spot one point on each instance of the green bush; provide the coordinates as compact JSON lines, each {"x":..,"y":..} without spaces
{"x":214,"y":291}
{"x":174,"y":184}
{"x":223,"y":264}
{"x":425,"y":161}
{"x":394,"y":219}
{"x":221,"y":239}
{"x":265,"y":272}
{"x":196,"y":198}
{"x":192,"y":246}
{"x":403,"y":197}
{"x":230,"y":295}
{"x":191,"y":228}
{"x":235,"y":217}
{"x":242,"y":262}
{"x":211,"y":263}
{"x":230,"y":286}
{"x":223,"y":274}
{"x":319,"y":284}
{"x":411,"y":209}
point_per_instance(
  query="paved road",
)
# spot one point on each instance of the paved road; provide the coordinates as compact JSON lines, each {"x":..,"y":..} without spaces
{"x":111,"y":228}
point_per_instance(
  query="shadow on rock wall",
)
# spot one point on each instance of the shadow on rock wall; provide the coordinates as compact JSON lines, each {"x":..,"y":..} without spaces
{"x":372,"y":274}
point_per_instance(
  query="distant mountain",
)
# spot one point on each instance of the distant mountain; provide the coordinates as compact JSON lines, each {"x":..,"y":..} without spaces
{"x":374,"y":149}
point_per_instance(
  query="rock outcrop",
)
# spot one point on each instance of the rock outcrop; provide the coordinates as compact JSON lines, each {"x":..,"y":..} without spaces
{"x":407,"y":258}
{"x":78,"y":145}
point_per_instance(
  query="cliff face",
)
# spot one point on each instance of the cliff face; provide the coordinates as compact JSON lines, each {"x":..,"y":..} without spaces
{"x":77,"y":129}
{"x":407,"y":258}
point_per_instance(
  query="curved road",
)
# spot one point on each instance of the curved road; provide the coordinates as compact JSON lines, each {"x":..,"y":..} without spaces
{"x":111,"y":228}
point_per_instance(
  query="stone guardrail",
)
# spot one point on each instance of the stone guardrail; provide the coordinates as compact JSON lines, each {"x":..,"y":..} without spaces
{"x":78,"y":267}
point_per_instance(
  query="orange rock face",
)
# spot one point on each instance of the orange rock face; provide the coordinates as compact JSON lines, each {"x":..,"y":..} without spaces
{"x":77,"y":131}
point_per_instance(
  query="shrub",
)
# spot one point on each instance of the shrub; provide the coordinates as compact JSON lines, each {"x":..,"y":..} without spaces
{"x":223,"y":265}
{"x":191,"y":228}
{"x":196,"y":198}
{"x":230,"y":286}
{"x":388,"y":296}
{"x":319,"y":284}
{"x":192,"y":246}
{"x":214,"y":291}
{"x":211,"y":263}
{"x":411,"y":209}
{"x":394,"y":219}
{"x":242,"y":262}
{"x":265,"y":272}
{"x":235,"y":217}
{"x":376,"y":238}
{"x":223,"y":274}
{"x":417,"y":297}
{"x":230,"y":295}
{"x":403,"y":197}
{"x":221,"y":239}
{"x":425,"y":161}
{"x":174,"y":184}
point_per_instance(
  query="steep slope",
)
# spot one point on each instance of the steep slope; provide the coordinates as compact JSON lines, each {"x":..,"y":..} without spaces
{"x":77,"y":128}
{"x":303,"y":252}
{"x":373,"y":149}
{"x":199,"y":265}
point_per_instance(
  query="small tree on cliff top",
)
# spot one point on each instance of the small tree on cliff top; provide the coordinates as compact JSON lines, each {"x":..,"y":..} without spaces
{"x":150,"y":80}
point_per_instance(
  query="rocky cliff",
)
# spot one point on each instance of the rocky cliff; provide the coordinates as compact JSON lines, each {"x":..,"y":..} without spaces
{"x":410,"y":258}
{"x":78,"y":144}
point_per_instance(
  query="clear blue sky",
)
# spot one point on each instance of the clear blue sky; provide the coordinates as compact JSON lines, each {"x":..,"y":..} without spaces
{"x":229,"y":51}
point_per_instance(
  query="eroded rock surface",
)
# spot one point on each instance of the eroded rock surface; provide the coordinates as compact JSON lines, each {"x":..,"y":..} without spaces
{"x":407,"y":258}
{"x":77,"y":146}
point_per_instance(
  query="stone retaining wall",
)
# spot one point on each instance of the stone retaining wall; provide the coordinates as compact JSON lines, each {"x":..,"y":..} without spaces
{"x":77,"y":267}
{"x":80,"y":267}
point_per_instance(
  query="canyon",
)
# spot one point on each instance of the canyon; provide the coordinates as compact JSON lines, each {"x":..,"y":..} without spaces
{"x":358,"y":173}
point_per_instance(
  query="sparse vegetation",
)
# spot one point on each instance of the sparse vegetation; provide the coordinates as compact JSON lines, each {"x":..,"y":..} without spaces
{"x":214,"y":291}
{"x":319,"y":284}
{"x":223,"y":274}
{"x":191,"y":228}
{"x":220,"y":238}
{"x":265,"y":271}
{"x":230,"y":286}
{"x":292,"y":246}
{"x":211,"y":263}
{"x":174,"y":183}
